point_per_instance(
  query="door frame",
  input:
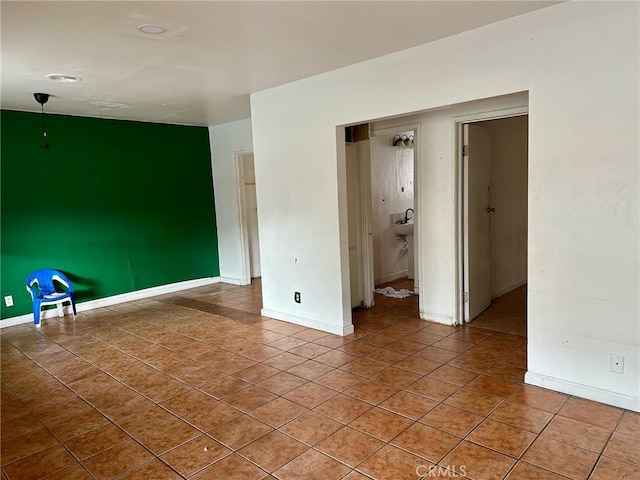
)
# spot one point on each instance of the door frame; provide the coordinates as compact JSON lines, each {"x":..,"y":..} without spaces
{"x":457,"y":124}
{"x":245,"y":261}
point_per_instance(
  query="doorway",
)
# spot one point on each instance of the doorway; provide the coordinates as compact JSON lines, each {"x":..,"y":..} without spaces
{"x":438,"y":197}
{"x":250,"y":234}
{"x":494,"y":166}
{"x":381,"y":198}
{"x":392,"y":206}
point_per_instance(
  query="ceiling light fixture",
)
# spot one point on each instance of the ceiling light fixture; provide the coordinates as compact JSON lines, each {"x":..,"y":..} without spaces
{"x":42,"y":98}
{"x":152,"y":29}
{"x":59,"y":77}
{"x":404,"y":141}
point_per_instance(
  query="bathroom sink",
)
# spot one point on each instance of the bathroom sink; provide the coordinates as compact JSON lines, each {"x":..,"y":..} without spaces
{"x":403,"y":228}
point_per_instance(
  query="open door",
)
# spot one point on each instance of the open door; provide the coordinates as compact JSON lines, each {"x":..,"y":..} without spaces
{"x":248,"y":207}
{"x":359,"y":214}
{"x":477,"y":246}
{"x":366,"y":232}
{"x":251,"y":206}
{"x":354,"y":211}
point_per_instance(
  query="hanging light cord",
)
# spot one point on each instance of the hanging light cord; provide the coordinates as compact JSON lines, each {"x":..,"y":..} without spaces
{"x":44,"y":127}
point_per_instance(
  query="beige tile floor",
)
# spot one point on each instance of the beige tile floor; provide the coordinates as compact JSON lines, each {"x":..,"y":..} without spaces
{"x":199,"y":385}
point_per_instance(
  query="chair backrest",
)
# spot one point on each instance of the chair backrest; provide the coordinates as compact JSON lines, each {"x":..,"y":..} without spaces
{"x":45,"y":281}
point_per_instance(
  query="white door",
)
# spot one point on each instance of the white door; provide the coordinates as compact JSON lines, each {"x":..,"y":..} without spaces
{"x":359,"y":218}
{"x":354,"y":212}
{"x":251,"y":214}
{"x":477,"y":246}
{"x":365,"y":244}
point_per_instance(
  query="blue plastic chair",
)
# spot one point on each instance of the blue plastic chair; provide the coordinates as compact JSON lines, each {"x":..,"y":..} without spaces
{"x":46,"y":293}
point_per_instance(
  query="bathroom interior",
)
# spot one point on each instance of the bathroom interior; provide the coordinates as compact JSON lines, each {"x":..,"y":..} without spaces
{"x":390,"y":156}
{"x":392,"y":206}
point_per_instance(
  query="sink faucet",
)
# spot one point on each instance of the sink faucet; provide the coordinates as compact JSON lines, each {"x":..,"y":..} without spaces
{"x":406,"y":214}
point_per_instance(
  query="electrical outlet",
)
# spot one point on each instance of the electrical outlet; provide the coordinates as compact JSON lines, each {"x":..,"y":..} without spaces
{"x":617,"y":363}
{"x":296,"y":297}
{"x":8,"y":300}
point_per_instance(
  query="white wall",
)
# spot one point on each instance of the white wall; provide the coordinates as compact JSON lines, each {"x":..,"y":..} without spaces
{"x":509,"y":150}
{"x":227,"y":140}
{"x":579,"y":62}
{"x":391,"y":193}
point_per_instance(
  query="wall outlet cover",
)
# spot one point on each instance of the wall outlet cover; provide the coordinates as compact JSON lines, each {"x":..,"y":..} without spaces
{"x":617,"y":363}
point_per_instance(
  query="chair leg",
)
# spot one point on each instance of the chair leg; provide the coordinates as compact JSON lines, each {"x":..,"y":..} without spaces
{"x":73,"y":306}
{"x":60,"y":310}
{"x":36,"y":314}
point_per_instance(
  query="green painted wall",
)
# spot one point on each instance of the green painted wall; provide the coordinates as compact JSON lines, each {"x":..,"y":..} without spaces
{"x":119,"y":206}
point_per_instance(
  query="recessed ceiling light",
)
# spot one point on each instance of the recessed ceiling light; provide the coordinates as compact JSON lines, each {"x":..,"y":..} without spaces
{"x":58,"y":77}
{"x":152,"y":29}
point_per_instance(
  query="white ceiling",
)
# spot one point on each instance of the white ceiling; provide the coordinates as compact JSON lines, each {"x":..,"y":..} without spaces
{"x":213,"y":55}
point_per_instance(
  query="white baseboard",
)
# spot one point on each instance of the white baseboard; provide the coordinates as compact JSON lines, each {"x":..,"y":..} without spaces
{"x":114,"y":300}
{"x":307,"y":322}
{"x":391,"y":277}
{"x":234,"y":281}
{"x":432,"y":317}
{"x":508,"y":289}
{"x":583,"y":391}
